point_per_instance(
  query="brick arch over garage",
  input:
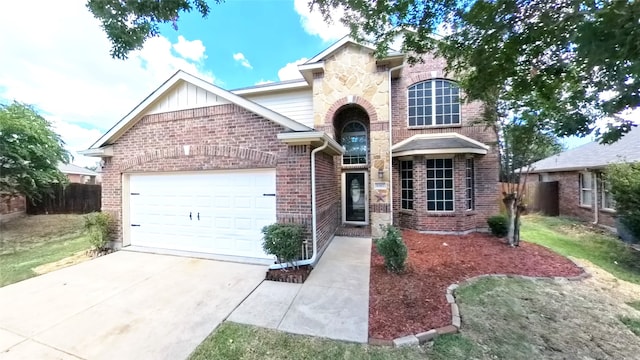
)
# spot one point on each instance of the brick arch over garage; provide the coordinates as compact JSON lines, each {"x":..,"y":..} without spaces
{"x":256,"y":157}
{"x":349,"y":100}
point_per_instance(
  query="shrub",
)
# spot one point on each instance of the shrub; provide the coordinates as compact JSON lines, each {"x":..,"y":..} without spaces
{"x":499,"y":225}
{"x":284,"y":241}
{"x":393,"y":249}
{"x":97,"y":226}
{"x":624,"y":182}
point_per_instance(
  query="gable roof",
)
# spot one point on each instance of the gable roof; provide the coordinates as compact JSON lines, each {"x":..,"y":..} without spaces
{"x":75,"y":169}
{"x":340,"y":43}
{"x":136,"y":114}
{"x":593,"y":155}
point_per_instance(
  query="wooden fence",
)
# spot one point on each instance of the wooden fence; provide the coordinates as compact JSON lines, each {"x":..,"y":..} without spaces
{"x":539,"y":197}
{"x":73,"y":199}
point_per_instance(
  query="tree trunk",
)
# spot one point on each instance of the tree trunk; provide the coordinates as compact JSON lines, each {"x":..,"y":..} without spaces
{"x":509,"y":201}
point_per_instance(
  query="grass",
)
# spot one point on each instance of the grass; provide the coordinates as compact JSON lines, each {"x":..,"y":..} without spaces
{"x":32,"y":241}
{"x":570,"y":238}
{"x":632,"y":324}
{"x":635,"y":304}
{"x":236,"y":341}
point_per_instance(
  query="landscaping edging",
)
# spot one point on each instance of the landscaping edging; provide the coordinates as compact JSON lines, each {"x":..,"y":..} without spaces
{"x":423,"y":337}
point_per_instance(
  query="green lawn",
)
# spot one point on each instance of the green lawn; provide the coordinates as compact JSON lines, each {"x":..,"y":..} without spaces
{"x":570,"y":238}
{"x":32,"y":241}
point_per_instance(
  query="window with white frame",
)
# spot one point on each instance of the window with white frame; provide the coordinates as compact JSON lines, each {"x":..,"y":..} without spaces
{"x":354,"y":141}
{"x":440,"y":185}
{"x":586,"y":188}
{"x":470,"y":185}
{"x":434,"y":102}
{"x":406,"y":180}
{"x":607,"y":198}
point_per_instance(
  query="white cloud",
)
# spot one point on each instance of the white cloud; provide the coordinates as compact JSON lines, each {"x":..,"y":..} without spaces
{"x":239,"y":57}
{"x":290,"y":71}
{"x":67,"y":73}
{"x":191,"y":50}
{"x":263,"y":82}
{"x":313,"y":22}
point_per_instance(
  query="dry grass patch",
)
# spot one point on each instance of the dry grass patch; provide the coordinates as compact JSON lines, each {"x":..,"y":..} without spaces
{"x":29,"y":231}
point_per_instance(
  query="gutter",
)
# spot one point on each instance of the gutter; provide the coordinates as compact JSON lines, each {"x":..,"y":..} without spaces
{"x":391,"y":145}
{"x":595,"y":198}
{"x":314,"y":214}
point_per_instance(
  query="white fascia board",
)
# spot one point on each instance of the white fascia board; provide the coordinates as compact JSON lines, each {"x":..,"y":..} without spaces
{"x":567,"y":168}
{"x":105,"y":151}
{"x":311,"y":137}
{"x":441,"y":152}
{"x":272,"y":88}
{"x":130,"y":118}
{"x":314,"y":66}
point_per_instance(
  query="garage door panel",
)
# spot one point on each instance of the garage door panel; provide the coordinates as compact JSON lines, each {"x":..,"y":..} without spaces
{"x":231,"y":206}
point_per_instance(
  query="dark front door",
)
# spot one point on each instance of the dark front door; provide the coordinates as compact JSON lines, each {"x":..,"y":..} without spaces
{"x":355,"y":190}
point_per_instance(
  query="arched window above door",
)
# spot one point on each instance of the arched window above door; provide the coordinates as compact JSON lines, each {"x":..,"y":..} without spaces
{"x":354,"y":141}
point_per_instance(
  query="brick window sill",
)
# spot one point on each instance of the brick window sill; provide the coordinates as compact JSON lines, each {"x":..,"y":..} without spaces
{"x":608,"y":211}
{"x":588,"y":207}
{"x":441,"y":213}
{"x":423,"y":127}
{"x":470,"y":212}
{"x":407,"y":212}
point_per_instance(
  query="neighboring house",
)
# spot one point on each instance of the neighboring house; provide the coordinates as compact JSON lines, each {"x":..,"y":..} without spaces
{"x":580,"y":173}
{"x":357,"y":143}
{"x":78,"y":174}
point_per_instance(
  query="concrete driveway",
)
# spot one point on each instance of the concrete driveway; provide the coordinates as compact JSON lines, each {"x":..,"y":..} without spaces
{"x":125,"y":305}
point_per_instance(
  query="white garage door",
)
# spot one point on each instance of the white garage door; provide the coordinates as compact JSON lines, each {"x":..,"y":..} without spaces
{"x":213,"y":212}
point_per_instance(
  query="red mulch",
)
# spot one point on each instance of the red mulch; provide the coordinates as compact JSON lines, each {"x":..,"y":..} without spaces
{"x":414,"y":302}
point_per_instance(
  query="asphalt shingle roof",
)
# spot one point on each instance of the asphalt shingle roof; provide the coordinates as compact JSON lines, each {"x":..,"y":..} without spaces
{"x":593,"y":155}
{"x":438,"y":143}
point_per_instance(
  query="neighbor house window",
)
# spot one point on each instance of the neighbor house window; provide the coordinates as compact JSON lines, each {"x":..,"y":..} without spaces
{"x":606,"y":196}
{"x":440,"y":185}
{"x":586,"y":188}
{"x":434,"y":102}
{"x":406,"y":179}
{"x":470,"y":185}
{"x":354,"y":141}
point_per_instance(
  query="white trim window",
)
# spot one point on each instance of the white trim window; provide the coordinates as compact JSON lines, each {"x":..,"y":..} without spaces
{"x":440,"y":185}
{"x":470,"y":184}
{"x":434,"y":103}
{"x":585,"y":182}
{"x":607,"y":201}
{"x":354,"y":141}
{"x":406,"y":184}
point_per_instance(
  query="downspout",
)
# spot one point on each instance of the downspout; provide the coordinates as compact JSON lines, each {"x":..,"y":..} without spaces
{"x":391,"y":144}
{"x":595,"y":199}
{"x":314,"y":213}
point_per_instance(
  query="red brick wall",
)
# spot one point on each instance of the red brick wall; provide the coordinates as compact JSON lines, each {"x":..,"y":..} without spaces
{"x":220,"y":137}
{"x":569,"y":198}
{"x":328,"y":199}
{"x":486,"y":166}
{"x":12,"y":206}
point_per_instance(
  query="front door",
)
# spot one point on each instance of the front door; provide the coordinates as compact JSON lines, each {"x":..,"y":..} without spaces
{"x":355,"y":198}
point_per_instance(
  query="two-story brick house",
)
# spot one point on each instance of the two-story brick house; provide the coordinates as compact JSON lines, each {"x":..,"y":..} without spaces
{"x":358,"y":142}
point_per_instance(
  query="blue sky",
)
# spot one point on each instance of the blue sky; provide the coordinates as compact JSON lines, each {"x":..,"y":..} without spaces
{"x":56,"y":57}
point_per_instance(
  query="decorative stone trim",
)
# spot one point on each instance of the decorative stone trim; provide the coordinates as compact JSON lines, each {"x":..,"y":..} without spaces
{"x":456,"y":319}
{"x":351,"y":99}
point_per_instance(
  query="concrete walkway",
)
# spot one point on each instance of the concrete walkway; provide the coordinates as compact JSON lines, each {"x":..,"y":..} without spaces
{"x":332,"y":303}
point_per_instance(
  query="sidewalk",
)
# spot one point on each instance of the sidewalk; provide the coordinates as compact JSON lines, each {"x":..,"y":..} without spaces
{"x":332,"y":303}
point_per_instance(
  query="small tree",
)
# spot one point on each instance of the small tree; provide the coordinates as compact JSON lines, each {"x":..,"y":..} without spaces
{"x":624,"y":182}
{"x":284,"y":241}
{"x":30,"y":152}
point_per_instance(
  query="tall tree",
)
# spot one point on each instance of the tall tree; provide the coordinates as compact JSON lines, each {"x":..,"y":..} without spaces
{"x":30,"y":152}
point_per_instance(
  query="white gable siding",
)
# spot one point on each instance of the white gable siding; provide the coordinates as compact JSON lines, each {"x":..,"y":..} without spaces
{"x":296,"y":105}
{"x":185,"y":96}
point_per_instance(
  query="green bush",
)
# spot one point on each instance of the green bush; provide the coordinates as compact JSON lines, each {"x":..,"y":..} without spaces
{"x":624,"y":183}
{"x":499,"y":225}
{"x":284,"y":241}
{"x":393,"y":249}
{"x":97,"y":226}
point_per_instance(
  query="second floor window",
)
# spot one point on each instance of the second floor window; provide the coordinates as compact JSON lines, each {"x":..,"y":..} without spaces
{"x":354,"y":141}
{"x":434,"y":102}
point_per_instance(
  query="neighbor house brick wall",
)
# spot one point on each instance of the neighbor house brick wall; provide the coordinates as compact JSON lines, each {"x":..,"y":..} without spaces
{"x":219,"y":137}
{"x":569,"y":197}
{"x":486,"y":166}
{"x":328,"y":202}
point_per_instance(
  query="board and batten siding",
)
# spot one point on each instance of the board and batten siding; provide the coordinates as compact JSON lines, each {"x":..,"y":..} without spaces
{"x":296,"y":105}
{"x":185,"y":96}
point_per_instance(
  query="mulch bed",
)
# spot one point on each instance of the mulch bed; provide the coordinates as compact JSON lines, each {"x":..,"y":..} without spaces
{"x":290,"y":275}
{"x":414,"y":302}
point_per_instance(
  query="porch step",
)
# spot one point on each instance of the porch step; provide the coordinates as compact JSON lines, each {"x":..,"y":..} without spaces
{"x":363,"y":231}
